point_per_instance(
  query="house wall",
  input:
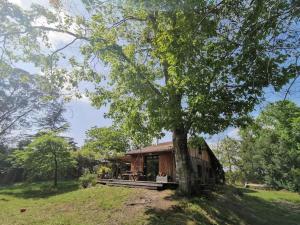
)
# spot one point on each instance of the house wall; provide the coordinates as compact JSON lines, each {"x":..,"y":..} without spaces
{"x":200,"y":160}
{"x":166,"y":164}
{"x":137,"y":163}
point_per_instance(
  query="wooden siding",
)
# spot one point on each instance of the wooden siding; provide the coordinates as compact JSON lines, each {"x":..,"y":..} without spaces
{"x":166,"y":164}
{"x":200,"y":159}
{"x":137,"y":163}
{"x":199,"y":154}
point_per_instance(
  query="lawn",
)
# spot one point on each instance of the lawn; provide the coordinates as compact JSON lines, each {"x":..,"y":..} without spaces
{"x":232,"y":205}
{"x":69,"y":205}
{"x":114,"y":205}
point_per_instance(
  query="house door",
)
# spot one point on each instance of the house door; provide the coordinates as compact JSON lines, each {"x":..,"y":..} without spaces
{"x":151,"y":167}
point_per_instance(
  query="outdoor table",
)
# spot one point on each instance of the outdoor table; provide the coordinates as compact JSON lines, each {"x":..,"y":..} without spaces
{"x":134,"y":176}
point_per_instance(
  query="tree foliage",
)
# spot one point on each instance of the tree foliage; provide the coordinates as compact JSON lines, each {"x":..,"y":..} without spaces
{"x":20,"y":99}
{"x":3,"y":158}
{"x":191,"y":67}
{"x":106,"y":141}
{"x":53,"y":119}
{"x":228,"y":152}
{"x":48,"y":156}
{"x":270,"y":148}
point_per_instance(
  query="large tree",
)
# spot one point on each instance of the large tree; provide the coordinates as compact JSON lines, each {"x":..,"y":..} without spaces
{"x":188,"y":67}
{"x":20,"y":99}
{"x":193,"y":66}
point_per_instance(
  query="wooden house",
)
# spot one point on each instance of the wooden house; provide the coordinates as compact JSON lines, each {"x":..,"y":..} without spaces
{"x":157,"y":163}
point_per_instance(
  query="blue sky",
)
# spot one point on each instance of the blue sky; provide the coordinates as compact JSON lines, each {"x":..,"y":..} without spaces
{"x":82,"y":116}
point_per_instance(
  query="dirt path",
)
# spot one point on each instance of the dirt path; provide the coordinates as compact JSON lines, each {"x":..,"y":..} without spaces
{"x":142,"y":201}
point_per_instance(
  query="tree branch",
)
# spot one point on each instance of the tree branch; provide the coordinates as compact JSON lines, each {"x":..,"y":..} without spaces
{"x":2,"y":132}
{"x":293,"y":82}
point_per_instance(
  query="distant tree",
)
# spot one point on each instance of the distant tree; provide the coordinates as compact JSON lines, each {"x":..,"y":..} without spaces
{"x":228,"y":152}
{"x":26,"y":98}
{"x":47,"y":156}
{"x":101,"y":143}
{"x":106,"y":141}
{"x":3,"y":158}
{"x":20,"y":99}
{"x":53,"y":118}
{"x":271,"y":146}
{"x":86,"y":159}
{"x":23,"y":96}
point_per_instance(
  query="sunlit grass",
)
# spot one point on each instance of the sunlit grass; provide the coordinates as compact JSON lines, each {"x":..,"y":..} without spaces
{"x":232,"y":206}
{"x":66,"y":205}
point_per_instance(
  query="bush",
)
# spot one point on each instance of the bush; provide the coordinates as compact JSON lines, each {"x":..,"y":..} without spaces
{"x":233,"y":177}
{"x":88,"y":179}
{"x":103,"y":171}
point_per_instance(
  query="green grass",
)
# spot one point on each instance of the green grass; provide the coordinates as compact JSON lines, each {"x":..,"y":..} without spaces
{"x":232,"y":206}
{"x":66,"y":205}
{"x":69,"y":204}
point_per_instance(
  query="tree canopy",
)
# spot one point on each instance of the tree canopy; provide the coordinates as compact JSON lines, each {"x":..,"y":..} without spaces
{"x":47,"y":156}
{"x":191,"y":67}
{"x":270,"y":148}
{"x":106,"y":142}
{"x":20,"y":99}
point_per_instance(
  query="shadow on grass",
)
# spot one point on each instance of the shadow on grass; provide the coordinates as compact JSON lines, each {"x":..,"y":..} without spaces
{"x":39,"y":189}
{"x":226,"y":206}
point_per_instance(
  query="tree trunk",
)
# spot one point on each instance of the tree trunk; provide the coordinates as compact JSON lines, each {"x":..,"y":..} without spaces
{"x":183,"y":163}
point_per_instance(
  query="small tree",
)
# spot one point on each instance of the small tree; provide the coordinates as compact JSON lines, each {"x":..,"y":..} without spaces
{"x":106,"y":141}
{"x":47,"y":155}
{"x":86,"y":159}
{"x":228,"y":151}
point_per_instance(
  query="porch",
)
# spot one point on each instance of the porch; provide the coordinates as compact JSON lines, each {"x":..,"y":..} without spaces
{"x":138,"y":184}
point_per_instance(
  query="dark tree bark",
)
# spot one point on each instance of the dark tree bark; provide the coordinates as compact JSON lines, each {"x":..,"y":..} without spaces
{"x":182,"y":158}
{"x":183,"y":163}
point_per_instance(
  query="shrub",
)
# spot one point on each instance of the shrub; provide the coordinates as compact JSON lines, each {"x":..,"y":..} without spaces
{"x":103,"y":171}
{"x":88,"y":179}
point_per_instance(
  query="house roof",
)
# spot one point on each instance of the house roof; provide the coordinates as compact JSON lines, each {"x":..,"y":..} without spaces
{"x":162,"y":147}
